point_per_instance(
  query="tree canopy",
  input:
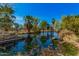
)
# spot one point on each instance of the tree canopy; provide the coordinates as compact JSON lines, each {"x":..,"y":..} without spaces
{"x":6,"y":17}
{"x":71,"y":23}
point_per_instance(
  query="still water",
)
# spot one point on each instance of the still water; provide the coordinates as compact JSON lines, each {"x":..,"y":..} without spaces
{"x":21,"y":46}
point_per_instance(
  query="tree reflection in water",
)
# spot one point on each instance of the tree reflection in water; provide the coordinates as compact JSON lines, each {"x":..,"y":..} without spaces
{"x":33,"y":45}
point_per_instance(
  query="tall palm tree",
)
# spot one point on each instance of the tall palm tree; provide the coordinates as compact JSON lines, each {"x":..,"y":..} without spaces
{"x":55,"y":28}
{"x":28,"y":22}
{"x":43,"y":26}
{"x":55,"y":25}
{"x":35,"y":25}
{"x":52,"y":27}
{"x":31,"y":23}
{"x":6,"y":16}
{"x":16,"y":26}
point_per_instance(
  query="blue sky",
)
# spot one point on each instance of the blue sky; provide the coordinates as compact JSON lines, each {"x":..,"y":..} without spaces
{"x":44,"y":11}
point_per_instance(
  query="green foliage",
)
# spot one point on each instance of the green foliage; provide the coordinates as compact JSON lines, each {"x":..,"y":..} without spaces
{"x":56,"y":24}
{"x":35,"y":46}
{"x":43,"y":24}
{"x":31,"y":23}
{"x":55,"y":42}
{"x":69,"y":49}
{"x":43,"y":39}
{"x":71,"y":23}
{"x":29,"y":47}
{"x":6,"y":9}
{"x":6,"y":17}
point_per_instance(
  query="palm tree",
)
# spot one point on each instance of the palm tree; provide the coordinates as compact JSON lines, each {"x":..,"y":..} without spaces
{"x":6,"y":17}
{"x":28,"y":22}
{"x":35,"y":25}
{"x":43,"y":26}
{"x":6,"y":9}
{"x":16,"y":25}
{"x":31,"y":23}
{"x":55,"y":25}
{"x":52,"y":27}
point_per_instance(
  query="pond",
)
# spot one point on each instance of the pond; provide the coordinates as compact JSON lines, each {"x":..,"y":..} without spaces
{"x":33,"y":43}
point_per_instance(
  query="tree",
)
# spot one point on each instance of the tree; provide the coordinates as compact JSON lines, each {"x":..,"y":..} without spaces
{"x":55,"y":25}
{"x":16,"y":25}
{"x":31,"y":23}
{"x":48,"y":26}
{"x":43,"y":25}
{"x":28,"y":22}
{"x":71,"y":23}
{"x":35,"y":25}
{"x":6,"y":17}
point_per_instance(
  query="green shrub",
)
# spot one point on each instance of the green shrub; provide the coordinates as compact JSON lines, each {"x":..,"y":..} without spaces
{"x":29,"y":47}
{"x":43,"y":39}
{"x":55,"y":42}
{"x":69,"y":49}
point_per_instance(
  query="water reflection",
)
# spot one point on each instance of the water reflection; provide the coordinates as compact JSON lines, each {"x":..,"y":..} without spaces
{"x":19,"y":46}
{"x":32,"y":45}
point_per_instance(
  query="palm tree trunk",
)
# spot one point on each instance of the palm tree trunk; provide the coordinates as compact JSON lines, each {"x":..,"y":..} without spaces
{"x":51,"y":32}
{"x":43,"y":32}
{"x":28,"y":27}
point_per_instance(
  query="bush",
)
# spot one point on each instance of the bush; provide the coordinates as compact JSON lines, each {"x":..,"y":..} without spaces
{"x":43,"y":39}
{"x":55,"y":42}
{"x":69,"y":49}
